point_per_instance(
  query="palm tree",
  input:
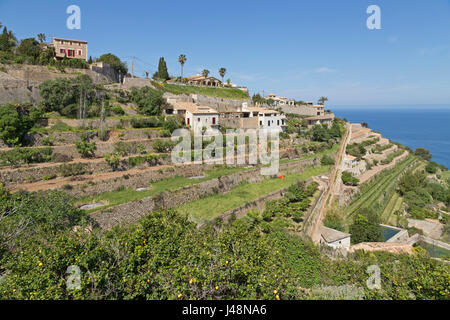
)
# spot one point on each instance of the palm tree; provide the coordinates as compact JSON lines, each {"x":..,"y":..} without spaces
{"x":222,"y":72}
{"x":322,"y":100}
{"x":205,"y":73}
{"x":182,"y":60}
{"x":41,"y":37}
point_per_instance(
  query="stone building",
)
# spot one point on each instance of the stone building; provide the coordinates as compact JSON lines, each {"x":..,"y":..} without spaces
{"x":334,"y":238}
{"x":72,"y":49}
{"x":195,"y":116}
{"x":278,"y":100}
{"x":199,"y":80}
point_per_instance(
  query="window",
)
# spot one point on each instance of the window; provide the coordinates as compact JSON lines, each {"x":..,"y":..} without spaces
{"x":62,"y":42}
{"x":198,"y":119}
{"x":70,"y":42}
{"x":79,"y":52}
{"x":62,"y":51}
{"x":189,"y":121}
{"x":214,"y":120}
{"x":278,"y":122}
{"x":260,"y":122}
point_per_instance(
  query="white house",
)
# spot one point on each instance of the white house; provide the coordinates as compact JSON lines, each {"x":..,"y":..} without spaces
{"x":350,"y":161}
{"x":278,"y":100}
{"x":334,"y":238}
{"x":196,"y":117}
{"x":267,"y":119}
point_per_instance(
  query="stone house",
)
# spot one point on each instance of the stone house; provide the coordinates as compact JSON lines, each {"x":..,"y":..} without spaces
{"x":326,"y":118}
{"x":199,"y":80}
{"x":72,"y":49}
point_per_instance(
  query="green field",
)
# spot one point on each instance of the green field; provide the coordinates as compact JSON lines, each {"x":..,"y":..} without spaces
{"x":379,"y":187}
{"x":201,"y":210}
{"x":225,"y":93}
{"x":114,"y":198}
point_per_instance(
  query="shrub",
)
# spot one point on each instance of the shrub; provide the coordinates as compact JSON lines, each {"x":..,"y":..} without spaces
{"x":163,"y":146}
{"x":366,"y":227}
{"x":149,"y":101}
{"x":73,"y":169}
{"x":19,"y":156}
{"x":348,"y":179}
{"x":85,"y":148}
{"x":327,"y":161}
{"x":113,"y":160}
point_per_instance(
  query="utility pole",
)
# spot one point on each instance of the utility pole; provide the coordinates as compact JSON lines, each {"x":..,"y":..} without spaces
{"x":132,"y":67}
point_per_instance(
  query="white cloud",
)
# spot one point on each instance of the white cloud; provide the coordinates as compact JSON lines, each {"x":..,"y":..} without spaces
{"x":324,"y":69}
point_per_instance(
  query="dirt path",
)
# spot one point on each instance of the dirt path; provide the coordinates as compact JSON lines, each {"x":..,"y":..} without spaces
{"x":333,"y":187}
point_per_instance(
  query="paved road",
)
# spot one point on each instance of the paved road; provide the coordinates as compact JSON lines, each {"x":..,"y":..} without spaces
{"x":333,"y":187}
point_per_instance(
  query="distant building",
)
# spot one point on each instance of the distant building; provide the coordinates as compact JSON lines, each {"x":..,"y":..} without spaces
{"x":72,"y":49}
{"x":350,"y":161}
{"x":334,"y":238}
{"x":253,"y":118}
{"x":277,"y":100}
{"x":326,"y":118}
{"x":195,"y":116}
{"x":199,"y":80}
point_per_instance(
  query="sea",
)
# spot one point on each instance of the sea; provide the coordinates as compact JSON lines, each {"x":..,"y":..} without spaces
{"x":416,"y":126}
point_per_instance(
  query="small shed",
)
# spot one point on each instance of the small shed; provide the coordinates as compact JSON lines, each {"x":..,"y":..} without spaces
{"x":334,"y":238}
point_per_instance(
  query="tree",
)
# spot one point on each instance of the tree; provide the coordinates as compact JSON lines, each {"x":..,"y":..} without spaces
{"x":222,"y":72}
{"x":29,"y":47}
{"x":16,"y":121}
{"x":423,"y":153}
{"x":41,"y":37}
{"x":149,"y":101}
{"x":90,"y":60}
{"x":182,"y":60}
{"x":114,"y":62}
{"x":348,"y":179}
{"x":205,"y":73}
{"x":257,"y":99}
{"x":322,"y":100}
{"x":162,"y":72}
{"x":366,"y":227}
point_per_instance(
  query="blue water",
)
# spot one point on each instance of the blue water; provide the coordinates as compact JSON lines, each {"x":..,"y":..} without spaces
{"x":417,"y":127}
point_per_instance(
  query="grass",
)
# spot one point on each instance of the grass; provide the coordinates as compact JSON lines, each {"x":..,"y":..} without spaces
{"x":226,"y":93}
{"x":114,"y":198}
{"x":200,"y":210}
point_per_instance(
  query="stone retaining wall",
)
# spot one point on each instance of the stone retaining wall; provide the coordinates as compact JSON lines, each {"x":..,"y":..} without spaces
{"x":133,"y":211}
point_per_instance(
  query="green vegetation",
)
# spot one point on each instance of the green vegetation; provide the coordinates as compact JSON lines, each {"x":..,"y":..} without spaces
{"x":16,"y":121}
{"x":418,"y":193}
{"x":114,"y":62}
{"x":149,"y":101}
{"x":359,"y":150}
{"x":165,"y":256}
{"x":371,"y":192}
{"x":322,"y":133}
{"x":170,"y":184}
{"x":224,"y":93}
{"x":423,"y":153}
{"x":86,"y":148}
{"x":19,"y":156}
{"x":162,"y":73}
{"x":391,"y":156}
{"x":366,"y":227}
{"x":200,"y":210}
{"x":63,"y":96}
{"x":348,"y":179}
{"x":327,"y":161}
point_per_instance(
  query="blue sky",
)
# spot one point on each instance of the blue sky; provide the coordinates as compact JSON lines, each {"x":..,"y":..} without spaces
{"x":300,"y":49}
